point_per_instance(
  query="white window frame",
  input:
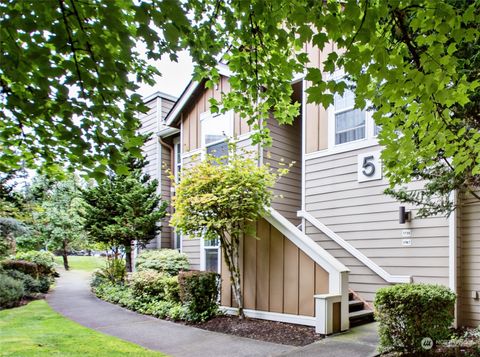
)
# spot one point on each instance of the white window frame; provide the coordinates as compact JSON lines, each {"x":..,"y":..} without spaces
{"x":370,"y":137}
{"x":204,"y":248}
{"x":177,"y":149}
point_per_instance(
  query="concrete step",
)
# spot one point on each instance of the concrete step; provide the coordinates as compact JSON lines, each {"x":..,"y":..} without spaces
{"x":361,"y":317}
{"x":355,"y":305}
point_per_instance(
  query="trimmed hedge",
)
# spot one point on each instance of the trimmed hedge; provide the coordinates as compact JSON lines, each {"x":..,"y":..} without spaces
{"x":30,"y":284}
{"x":11,"y":291}
{"x":408,"y":313}
{"x":199,"y":293}
{"x":23,"y":266}
{"x":168,"y":261}
{"x":45,"y":261}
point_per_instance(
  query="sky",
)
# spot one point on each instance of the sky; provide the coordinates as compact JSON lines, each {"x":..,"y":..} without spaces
{"x":175,"y":76}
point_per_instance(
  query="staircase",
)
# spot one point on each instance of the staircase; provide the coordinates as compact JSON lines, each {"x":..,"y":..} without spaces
{"x":359,"y":313}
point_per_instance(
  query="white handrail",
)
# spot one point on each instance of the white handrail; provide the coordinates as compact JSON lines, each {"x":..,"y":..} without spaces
{"x":354,"y":251}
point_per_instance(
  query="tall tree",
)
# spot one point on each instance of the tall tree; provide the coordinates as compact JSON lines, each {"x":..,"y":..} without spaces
{"x":222,"y":201}
{"x":122,"y":209}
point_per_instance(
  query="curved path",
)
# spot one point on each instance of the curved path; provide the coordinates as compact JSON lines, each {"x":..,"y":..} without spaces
{"x":73,"y":299}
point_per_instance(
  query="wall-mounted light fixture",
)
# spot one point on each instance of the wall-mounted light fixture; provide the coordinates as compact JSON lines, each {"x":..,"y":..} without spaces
{"x":404,"y":216}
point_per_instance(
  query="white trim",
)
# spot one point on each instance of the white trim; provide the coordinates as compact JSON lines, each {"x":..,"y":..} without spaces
{"x":191,"y":153}
{"x":158,"y":94}
{"x":452,"y":251}
{"x":359,"y":144}
{"x":167,"y":131}
{"x":305,"y":243}
{"x":272,"y":316}
{"x":183,"y":100}
{"x":354,"y":251}
{"x":304,"y":149}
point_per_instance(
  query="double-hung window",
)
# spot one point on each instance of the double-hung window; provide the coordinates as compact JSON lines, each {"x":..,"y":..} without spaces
{"x":177,"y":156}
{"x":350,"y":123}
{"x":215,"y":130}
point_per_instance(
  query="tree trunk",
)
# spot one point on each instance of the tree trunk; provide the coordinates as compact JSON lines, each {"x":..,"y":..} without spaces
{"x":65,"y":256}
{"x":231,"y":254}
{"x":128,"y":258}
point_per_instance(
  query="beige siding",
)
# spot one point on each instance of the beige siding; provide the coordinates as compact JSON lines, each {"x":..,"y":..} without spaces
{"x":166,"y":106}
{"x":151,"y":149}
{"x":167,"y":231}
{"x":285,"y":149}
{"x":276,"y":275}
{"x":469,"y":262}
{"x":199,"y":104}
{"x":366,"y":218}
{"x":191,"y":247}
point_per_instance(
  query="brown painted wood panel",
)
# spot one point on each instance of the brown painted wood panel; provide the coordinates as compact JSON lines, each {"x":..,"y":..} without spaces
{"x":290,"y":288}
{"x":263,"y":264}
{"x":321,"y":280}
{"x":249,"y":272}
{"x":306,"y":285}
{"x":226,"y":287}
{"x":276,"y":271}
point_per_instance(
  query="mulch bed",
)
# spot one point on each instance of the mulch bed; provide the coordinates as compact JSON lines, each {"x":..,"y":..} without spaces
{"x":264,"y":330}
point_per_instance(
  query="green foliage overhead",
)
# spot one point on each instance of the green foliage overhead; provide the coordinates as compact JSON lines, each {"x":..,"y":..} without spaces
{"x":67,"y":78}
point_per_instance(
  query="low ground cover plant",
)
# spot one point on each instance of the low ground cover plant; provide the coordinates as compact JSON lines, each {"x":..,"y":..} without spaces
{"x":190,"y":296}
{"x":410,"y":313}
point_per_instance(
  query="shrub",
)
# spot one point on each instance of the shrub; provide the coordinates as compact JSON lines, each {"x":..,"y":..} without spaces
{"x":168,"y":261}
{"x":23,"y":266}
{"x":44,"y":260}
{"x":114,"y":271}
{"x":30,"y":285}
{"x":199,"y":294}
{"x":11,"y":291}
{"x":410,"y":312}
{"x":148,"y":285}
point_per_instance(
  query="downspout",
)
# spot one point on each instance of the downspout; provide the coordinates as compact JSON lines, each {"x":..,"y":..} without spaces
{"x":172,"y":154}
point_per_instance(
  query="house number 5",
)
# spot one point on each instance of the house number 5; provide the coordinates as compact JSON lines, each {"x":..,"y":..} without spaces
{"x":368,"y":166}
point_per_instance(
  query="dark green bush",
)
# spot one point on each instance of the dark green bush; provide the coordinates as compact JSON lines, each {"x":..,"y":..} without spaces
{"x":199,"y":293}
{"x":408,"y":313}
{"x":11,"y":291}
{"x":23,"y":266}
{"x":44,"y":260}
{"x":168,"y":261}
{"x":30,"y":285}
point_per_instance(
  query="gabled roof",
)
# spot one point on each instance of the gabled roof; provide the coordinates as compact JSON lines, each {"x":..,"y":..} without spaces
{"x":158,"y":94}
{"x":188,"y":92}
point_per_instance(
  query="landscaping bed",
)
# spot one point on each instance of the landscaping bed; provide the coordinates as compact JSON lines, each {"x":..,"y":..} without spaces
{"x":264,"y":330}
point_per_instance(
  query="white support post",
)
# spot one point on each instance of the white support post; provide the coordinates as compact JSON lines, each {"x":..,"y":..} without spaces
{"x":324,"y":312}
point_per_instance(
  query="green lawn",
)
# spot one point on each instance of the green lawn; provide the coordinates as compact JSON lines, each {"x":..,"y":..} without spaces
{"x":82,"y":262}
{"x":37,"y":330}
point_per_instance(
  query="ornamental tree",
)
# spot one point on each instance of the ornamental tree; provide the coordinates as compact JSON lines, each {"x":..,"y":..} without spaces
{"x":221,"y":198}
{"x":122,"y":209}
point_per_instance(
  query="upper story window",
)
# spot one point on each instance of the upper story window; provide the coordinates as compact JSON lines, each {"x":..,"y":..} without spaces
{"x":215,"y":129}
{"x":177,"y":152}
{"x":349,"y":122}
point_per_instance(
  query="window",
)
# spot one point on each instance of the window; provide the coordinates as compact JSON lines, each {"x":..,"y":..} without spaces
{"x":349,"y":122}
{"x":211,"y":255}
{"x":215,"y":130}
{"x":177,"y":153}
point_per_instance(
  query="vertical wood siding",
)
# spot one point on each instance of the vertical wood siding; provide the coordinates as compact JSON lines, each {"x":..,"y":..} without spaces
{"x":191,"y":134}
{"x":276,"y":275}
{"x":362,"y":215}
{"x":167,"y":231}
{"x":316,"y":120}
{"x":286,"y":148}
{"x":469,"y":261}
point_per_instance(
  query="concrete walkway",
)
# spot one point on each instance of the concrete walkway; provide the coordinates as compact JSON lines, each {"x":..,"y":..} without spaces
{"x":73,"y":299}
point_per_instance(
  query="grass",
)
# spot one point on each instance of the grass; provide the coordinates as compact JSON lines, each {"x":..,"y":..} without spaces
{"x":36,"y":330}
{"x":84,"y":263}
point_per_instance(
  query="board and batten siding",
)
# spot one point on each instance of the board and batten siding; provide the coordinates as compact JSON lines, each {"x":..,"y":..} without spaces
{"x":276,"y":276}
{"x":286,"y":148}
{"x":191,"y":135}
{"x":469,"y":262}
{"x":166,"y":191}
{"x":362,"y":215}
